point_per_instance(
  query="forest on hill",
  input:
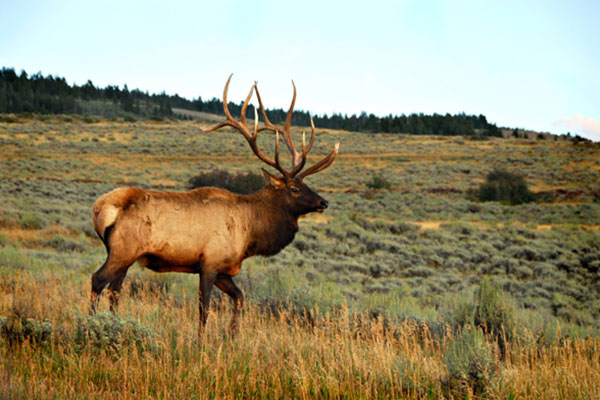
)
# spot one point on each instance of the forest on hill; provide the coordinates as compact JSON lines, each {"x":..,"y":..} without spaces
{"x":23,"y":93}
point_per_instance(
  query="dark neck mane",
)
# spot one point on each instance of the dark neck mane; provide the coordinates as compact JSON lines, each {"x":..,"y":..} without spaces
{"x":272,"y":226}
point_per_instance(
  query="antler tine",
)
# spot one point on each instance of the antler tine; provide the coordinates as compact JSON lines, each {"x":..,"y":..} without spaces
{"x":321,"y":165}
{"x":245,"y":106}
{"x":287,"y":134}
{"x":268,"y":124}
{"x":225,"y":107}
{"x":277,"y":164}
{"x":288,"y":119}
{"x":279,"y":167}
{"x":229,"y":121}
{"x":255,"y":122}
{"x":300,"y":164}
{"x":312,"y":135}
{"x":305,"y":149}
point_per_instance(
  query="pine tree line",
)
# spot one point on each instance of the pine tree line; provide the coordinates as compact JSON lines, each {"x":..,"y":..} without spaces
{"x":21,"y":93}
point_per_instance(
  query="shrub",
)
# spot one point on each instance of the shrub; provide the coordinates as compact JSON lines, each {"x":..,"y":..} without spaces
{"x":379,"y":182}
{"x":242,"y":183}
{"x":504,"y":186}
{"x":111,"y":332}
{"x":491,"y":310}
{"x":469,"y":359}
{"x":61,"y":243}
{"x":402,"y":228}
{"x":494,"y":310}
{"x":13,"y":257}
{"x":4,"y":240}
{"x":19,"y":327}
{"x":31,"y":221}
{"x":9,"y":119}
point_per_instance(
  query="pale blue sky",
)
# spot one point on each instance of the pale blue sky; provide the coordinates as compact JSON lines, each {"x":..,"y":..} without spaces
{"x":528,"y":64}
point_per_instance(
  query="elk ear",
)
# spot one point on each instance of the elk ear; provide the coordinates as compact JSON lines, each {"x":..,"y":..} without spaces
{"x":272,"y":179}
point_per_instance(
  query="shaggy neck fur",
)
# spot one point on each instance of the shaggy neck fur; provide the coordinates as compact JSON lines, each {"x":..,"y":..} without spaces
{"x":272,"y":225}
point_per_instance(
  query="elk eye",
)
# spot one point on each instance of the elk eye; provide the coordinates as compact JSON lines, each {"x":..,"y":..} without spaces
{"x":294,"y":189}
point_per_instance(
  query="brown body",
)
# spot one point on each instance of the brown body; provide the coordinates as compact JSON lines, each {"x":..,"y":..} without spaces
{"x":206,"y":231}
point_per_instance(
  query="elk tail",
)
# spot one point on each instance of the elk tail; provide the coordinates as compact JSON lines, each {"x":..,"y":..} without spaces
{"x":105,"y":216}
{"x":107,"y":209}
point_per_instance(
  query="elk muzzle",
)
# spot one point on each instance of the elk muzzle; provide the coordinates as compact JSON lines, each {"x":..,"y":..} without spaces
{"x":322,"y":205}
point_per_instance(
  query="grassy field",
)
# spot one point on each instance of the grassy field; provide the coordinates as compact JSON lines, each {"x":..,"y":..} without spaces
{"x":413,"y":292}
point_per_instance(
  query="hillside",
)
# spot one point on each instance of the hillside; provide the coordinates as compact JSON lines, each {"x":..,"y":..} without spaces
{"x":405,"y":255}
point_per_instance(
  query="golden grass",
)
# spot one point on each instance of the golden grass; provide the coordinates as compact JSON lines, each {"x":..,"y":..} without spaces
{"x":337,"y":356}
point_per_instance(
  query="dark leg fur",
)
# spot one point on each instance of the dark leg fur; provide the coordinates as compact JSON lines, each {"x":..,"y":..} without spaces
{"x":207,"y":280}
{"x":99,"y":282}
{"x":112,"y":272}
{"x":115,"y":291}
{"x":227,"y":285}
{"x":100,"y":278}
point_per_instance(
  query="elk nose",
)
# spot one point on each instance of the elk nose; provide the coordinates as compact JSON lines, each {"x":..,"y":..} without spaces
{"x":323,"y":203}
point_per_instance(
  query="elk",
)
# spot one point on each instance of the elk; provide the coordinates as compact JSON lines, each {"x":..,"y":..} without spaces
{"x":208,"y":231}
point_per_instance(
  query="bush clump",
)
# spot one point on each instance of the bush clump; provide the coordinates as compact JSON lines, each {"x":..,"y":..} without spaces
{"x":12,"y":257}
{"x":108,"y":331}
{"x":241,"y":183}
{"x":491,"y":310}
{"x":31,"y":220}
{"x":504,"y":186}
{"x":61,"y":243}
{"x":379,"y":182}
{"x":470,"y":361}
{"x":18,"y":328}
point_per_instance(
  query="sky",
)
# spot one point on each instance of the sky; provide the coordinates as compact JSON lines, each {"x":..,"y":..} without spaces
{"x":523,"y":64}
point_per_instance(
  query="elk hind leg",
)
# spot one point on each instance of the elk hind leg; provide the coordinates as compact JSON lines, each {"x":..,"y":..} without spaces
{"x":110,"y":271}
{"x":114,"y":290}
{"x":227,"y":285}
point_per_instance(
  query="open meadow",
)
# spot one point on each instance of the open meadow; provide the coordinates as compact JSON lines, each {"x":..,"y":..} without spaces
{"x":415,"y":291}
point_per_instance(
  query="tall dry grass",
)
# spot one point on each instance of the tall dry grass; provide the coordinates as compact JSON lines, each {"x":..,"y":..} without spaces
{"x":275,"y":355}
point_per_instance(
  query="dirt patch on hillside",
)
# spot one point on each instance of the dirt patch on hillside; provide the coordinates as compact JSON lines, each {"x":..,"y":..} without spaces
{"x":429,"y":224}
{"x":317,"y":218}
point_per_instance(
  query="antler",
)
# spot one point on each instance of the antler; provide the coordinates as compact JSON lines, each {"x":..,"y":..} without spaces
{"x":321,"y":165}
{"x":298,"y":158}
{"x":243,"y":128}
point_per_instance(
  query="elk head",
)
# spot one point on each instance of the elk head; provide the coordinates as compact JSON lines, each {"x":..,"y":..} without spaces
{"x":295,"y":195}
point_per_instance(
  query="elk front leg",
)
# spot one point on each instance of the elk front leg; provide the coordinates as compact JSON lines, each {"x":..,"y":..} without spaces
{"x":226,"y":284}
{"x":207,"y":280}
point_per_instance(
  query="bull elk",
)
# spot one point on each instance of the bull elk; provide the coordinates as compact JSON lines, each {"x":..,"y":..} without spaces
{"x":208,"y":231}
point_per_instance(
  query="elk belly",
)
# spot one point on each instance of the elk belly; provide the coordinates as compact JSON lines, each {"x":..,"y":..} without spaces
{"x":158,"y":264}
